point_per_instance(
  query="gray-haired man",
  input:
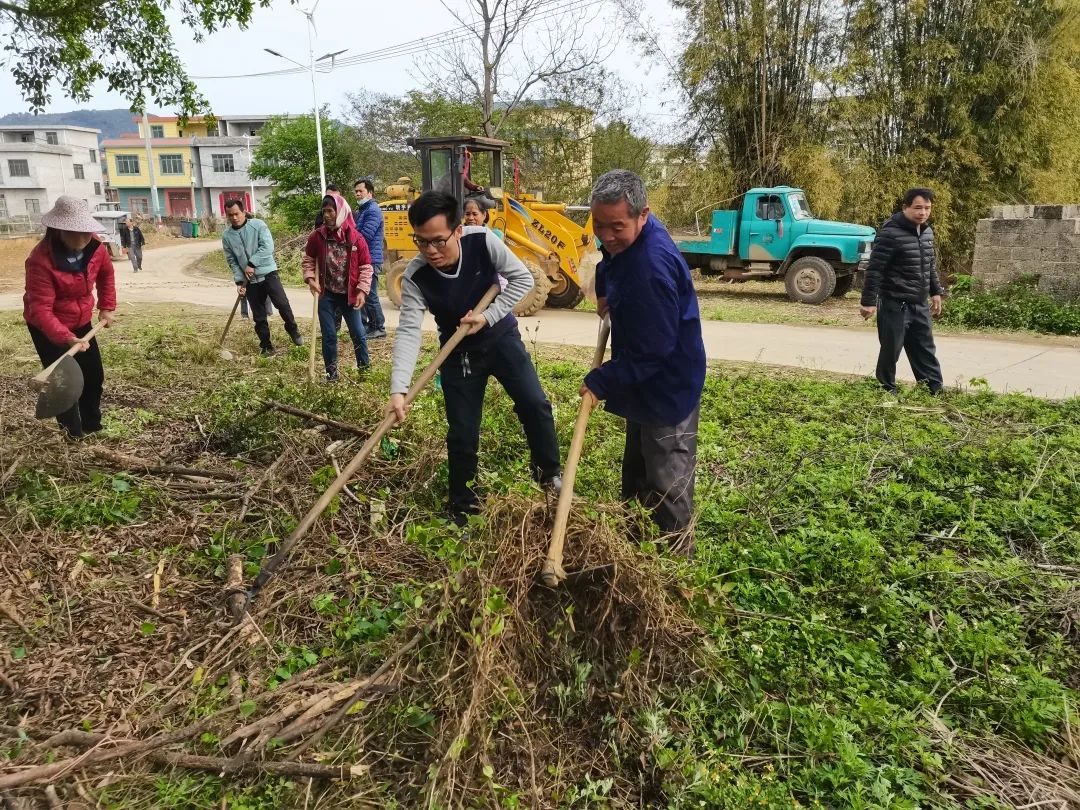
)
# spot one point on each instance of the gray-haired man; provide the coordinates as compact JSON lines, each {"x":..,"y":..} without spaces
{"x":657,"y":368}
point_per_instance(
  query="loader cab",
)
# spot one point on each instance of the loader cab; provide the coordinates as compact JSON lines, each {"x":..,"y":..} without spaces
{"x":446,"y":162}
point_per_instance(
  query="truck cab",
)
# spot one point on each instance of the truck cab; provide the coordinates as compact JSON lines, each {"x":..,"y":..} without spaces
{"x":775,"y":235}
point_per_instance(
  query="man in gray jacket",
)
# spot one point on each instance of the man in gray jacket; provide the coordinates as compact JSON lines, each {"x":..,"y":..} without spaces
{"x":456,"y":266}
{"x":249,"y":250}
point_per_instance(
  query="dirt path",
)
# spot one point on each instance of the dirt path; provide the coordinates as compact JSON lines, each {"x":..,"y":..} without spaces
{"x":1043,"y":368}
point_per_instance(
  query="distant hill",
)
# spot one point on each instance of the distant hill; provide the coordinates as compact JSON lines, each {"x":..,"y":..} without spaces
{"x":112,"y":123}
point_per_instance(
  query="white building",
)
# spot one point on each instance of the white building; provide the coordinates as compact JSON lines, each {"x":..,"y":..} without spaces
{"x":38,"y":164}
{"x":221,"y":163}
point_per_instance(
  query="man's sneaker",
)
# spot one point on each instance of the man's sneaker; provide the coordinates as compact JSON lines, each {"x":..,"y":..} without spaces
{"x":375,"y":335}
{"x":552,"y":485}
{"x":332,"y":376}
{"x":268,"y":352}
{"x":297,"y":339}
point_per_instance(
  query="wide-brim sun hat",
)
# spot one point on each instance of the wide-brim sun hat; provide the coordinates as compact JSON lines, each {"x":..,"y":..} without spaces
{"x":71,"y":214}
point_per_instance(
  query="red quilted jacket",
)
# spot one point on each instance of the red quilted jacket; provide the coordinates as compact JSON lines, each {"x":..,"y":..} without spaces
{"x":56,"y":301}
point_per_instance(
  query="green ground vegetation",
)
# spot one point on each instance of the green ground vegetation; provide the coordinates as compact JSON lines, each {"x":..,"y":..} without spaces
{"x":1018,"y":305}
{"x":883,"y":611}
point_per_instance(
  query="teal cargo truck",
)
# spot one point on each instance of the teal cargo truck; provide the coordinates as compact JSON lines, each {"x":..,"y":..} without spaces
{"x":774,"y":235}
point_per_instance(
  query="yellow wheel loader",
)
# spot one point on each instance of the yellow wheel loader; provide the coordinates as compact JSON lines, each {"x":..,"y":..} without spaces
{"x":549,"y":243}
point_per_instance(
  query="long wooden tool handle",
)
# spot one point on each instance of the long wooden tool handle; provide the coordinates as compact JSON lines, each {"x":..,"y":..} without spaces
{"x":304,"y":526}
{"x":314,"y":332}
{"x":43,"y":375}
{"x":553,"y":572}
{"x":228,"y":323}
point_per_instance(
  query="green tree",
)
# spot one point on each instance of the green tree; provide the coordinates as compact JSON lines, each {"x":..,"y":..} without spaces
{"x":941,"y":95}
{"x":754,"y":66}
{"x":616,"y":146}
{"x":72,"y":44}
{"x":287,"y":156}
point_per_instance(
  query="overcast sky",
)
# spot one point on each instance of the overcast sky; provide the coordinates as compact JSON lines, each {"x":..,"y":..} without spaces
{"x":361,"y":27}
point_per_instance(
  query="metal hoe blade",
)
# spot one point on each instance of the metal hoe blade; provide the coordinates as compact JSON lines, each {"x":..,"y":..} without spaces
{"x":61,"y":391}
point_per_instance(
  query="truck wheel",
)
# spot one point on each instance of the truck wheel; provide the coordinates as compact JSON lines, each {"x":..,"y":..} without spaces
{"x":843,"y":285}
{"x":535,"y":299}
{"x":565,"y":293}
{"x":810,"y":280}
{"x":394,"y":276}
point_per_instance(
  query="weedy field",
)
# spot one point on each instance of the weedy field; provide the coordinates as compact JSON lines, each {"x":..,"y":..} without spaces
{"x":884,"y":611}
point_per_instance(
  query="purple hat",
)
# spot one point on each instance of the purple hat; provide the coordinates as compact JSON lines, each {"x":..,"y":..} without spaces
{"x":71,"y":214}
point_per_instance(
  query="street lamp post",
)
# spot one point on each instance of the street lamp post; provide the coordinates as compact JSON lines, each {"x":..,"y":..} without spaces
{"x":312,"y":61}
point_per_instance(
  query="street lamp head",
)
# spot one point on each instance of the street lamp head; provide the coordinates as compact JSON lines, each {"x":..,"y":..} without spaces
{"x":331,"y":55}
{"x":272,"y":52}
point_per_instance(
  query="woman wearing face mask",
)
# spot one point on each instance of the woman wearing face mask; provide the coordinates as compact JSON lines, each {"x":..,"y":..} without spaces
{"x":62,"y":272}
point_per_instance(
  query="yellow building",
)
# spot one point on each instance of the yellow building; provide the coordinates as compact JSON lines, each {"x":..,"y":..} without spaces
{"x":172,"y":163}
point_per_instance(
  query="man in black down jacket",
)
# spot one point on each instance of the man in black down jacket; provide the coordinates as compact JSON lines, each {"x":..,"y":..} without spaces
{"x":901,"y":275}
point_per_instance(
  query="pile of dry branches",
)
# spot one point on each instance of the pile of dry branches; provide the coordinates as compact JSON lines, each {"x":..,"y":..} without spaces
{"x":488,"y":684}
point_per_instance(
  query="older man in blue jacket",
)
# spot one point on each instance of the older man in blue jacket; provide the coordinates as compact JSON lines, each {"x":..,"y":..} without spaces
{"x":656,"y":372}
{"x":369,"y":221}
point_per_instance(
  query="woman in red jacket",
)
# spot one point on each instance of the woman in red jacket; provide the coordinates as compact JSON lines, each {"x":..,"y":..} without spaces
{"x":58,"y":306}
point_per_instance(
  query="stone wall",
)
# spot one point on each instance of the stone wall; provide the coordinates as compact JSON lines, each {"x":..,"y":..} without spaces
{"x":1035,"y":240}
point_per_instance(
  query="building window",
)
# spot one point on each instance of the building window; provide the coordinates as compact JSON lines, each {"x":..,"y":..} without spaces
{"x":52,"y":138}
{"x":97,"y":189}
{"x":171,"y":164}
{"x":157,"y":131}
{"x":18,"y":168}
{"x":3,"y":207}
{"x":223,"y":163}
{"x":139,"y":205}
{"x":26,"y":137}
{"x":33,"y":205}
{"x":211,"y":132}
{"x":93,"y":155}
{"x":127,"y":164}
{"x":253,"y":131}
{"x":79,"y":173}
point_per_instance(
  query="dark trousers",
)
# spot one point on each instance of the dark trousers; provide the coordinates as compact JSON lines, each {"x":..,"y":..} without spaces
{"x":270,"y":287}
{"x":135,"y":254}
{"x":244,"y":307}
{"x":373,"y":314}
{"x":907,"y":326}
{"x":464,"y":379}
{"x":658,"y":470}
{"x":85,"y":415}
{"x":332,"y":308}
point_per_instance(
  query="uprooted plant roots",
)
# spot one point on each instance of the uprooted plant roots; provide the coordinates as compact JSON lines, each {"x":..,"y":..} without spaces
{"x":419,"y":661}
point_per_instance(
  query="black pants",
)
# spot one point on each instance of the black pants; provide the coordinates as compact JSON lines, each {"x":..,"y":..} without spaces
{"x":85,"y":415}
{"x":658,"y":470}
{"x":907,"y":326}
{"x":270,"y":287}
{"x":244,"y":308}
{"x":464,"y":380}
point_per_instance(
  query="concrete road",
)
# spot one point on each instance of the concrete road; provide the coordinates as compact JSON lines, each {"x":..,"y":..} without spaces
{"x":1041,"y":367}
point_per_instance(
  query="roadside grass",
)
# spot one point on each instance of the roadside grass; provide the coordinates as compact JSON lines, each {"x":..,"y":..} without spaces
{"x":766,"y":302}
{"x":884,"y":609}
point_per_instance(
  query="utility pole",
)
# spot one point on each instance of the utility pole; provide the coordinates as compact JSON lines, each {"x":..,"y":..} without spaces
{"x":315,"y":97}
{"x":251,"y":180}
{"x":310,"y":15}
{"x":150,"y":165}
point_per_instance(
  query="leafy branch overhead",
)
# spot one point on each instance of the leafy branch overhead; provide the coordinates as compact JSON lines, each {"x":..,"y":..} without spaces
{"x":72,"y":44}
